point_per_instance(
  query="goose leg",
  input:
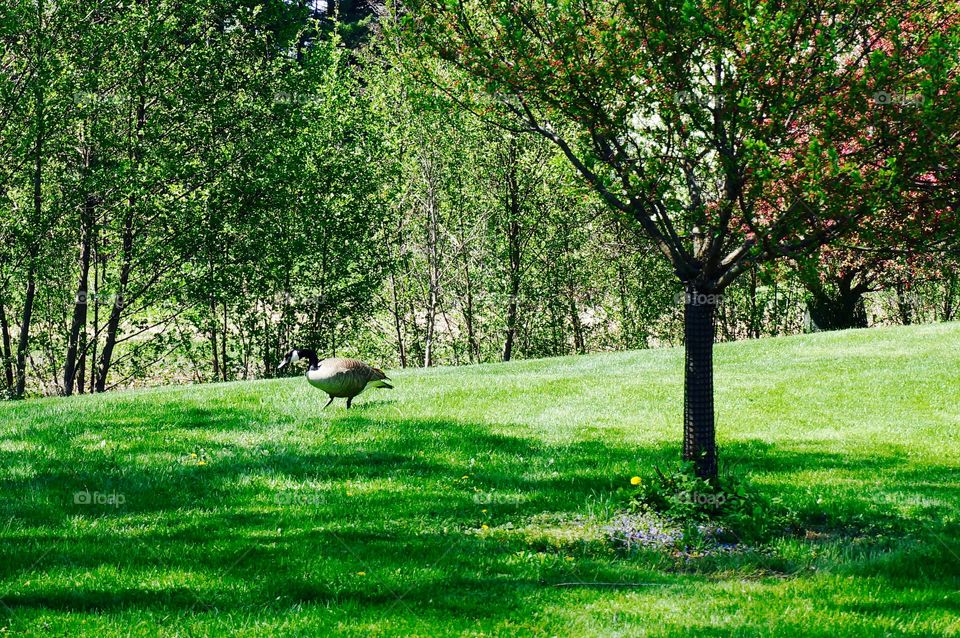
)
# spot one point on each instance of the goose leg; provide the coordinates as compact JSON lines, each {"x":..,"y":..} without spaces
{"x":328,"y":403}
{"x":349,"y":400}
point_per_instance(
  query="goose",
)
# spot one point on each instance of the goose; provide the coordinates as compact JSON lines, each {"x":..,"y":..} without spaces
{"x":338,"y":377}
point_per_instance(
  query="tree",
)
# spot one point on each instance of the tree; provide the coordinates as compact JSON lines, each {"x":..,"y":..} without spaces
{"x":711,"y":127}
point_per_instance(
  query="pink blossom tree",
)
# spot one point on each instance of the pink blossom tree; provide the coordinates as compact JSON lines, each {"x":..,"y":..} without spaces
{"x":731,"y":133}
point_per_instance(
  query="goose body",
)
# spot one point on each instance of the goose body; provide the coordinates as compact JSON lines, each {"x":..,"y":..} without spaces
{"x":338,"y":377}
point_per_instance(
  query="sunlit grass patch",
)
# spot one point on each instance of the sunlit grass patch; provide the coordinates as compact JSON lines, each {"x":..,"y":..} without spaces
{"x":474,"y":500}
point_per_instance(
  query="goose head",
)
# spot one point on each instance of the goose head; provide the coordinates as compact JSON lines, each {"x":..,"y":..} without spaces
{"x":292,"y":357}
{"x":296,"y":355}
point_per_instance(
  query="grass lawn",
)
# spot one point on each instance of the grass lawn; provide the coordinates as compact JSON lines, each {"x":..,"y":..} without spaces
{"x":471,"y":501}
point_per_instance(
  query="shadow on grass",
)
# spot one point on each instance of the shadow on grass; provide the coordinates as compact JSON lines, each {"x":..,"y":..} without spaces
{"x":393,"y":520}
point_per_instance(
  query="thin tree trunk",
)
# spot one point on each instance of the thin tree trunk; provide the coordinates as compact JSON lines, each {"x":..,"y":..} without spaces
{"x":904,"y":303}
{"x":82,"y":363}
{"x":267,"y":361}
{"x":97,"y":279}
{"x":514,"y":245}
{"x":80,"y":302}
{"x":246,"y":347}
{"x":23,"y":342}
{"x":948,"y":307}
{"x":699,"y":444}
{"x":472,"y":345}
{"x":116,"y":310}
{"x":724,"y":332}
{"x":511,"y":316}
{"x":223,"y":346}
{"x":578,"y":341}
{"x":6,"y":350}
{"x":628,"y":331}
{"x":214,"y":349}
{"x":401,"y":345}
{"x":417,"y":352}
{"x":755,"y":318}
{"x":433,"y":269}
{"x":513,"y":248}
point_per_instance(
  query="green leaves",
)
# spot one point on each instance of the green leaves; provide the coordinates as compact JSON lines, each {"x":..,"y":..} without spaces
{"x":772,"y":127}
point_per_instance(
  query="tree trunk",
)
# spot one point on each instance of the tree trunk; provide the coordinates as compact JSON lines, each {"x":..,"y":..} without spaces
{"x":841,"y":310}
{"x":512,"y":209}
{"x":627,"y":330}
{"x":433,"y":268}
{"x":904,"y":303}
{"x":23,"y":342}
{"x":511,"y":319}
{"x":837,"y":314}
{"x":224,"y":368}
{"x":267,"y":360}
{"x":755,"y":318}
{"x":513,"y":247}
{"x":81,"y":375}
{"x":699,"y":442}
{"x":397,"y":326}
{"x":579,"y":344}
{"x":80,"y":302}
{"x":468,"y":316}
{"x":948,"y":305}
{"x":116,"y":309}
{"x":6,"y":351}
{"x":99,"y":265}
{"x":214,"y":348}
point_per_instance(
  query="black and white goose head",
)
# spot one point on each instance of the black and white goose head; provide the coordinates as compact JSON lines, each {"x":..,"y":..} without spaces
{"x":298,"y":354}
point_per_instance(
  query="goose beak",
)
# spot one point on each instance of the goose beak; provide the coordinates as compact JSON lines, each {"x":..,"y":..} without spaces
{"x":282,"y":363}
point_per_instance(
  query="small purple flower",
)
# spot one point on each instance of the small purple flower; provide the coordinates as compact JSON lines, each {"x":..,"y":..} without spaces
{"x":648,"y":530}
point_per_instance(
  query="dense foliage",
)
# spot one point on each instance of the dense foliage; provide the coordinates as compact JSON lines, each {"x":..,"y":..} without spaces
{"x":190,"y":188}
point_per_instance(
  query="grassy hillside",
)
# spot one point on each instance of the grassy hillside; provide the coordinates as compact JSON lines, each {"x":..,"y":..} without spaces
{"x":471,"y":501}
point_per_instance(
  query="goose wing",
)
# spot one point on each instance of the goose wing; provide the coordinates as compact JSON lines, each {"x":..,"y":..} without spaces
{"x":359,"y":370}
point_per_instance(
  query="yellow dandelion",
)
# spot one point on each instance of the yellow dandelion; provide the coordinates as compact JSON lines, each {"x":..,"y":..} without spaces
{"x":636,"y":480}
{"x":484,"y":527}
{"x":484,"y":510}
{"x":361,"y":573}
{"x":201,"y":462}
{"x":569,"y":558}
{"x":192,"y":455}
{"x":465,"y":476}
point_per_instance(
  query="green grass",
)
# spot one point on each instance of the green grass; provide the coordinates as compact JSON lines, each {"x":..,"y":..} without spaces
{"x":295,"y":521}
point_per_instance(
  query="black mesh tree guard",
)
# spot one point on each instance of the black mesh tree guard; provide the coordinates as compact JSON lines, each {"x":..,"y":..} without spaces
{"x":699,"y":441}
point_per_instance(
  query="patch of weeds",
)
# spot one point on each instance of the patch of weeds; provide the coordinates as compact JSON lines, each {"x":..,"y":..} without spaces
{"x":689,"y":516}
